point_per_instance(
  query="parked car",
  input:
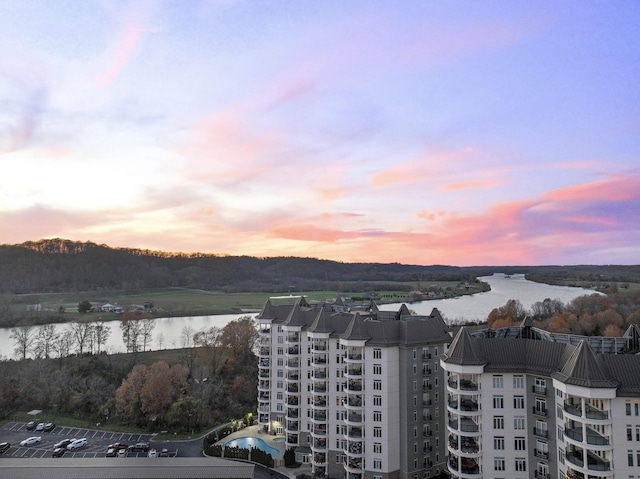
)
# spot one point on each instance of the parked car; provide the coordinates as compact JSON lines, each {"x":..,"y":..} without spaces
{"x":77,"y":444}
{"x":111,"y":452}
{"x":58,"y":452}
{"x":40,"y":426}
{"x":164,"y":453}
{"x":122,"y":453}
{"x":117,"y":445}
{"x":139,"y":447}
{"x":48,"y":426}
{"x":4,"y":446}
{"x":31,"y":425}
{"x":30,"y":441}
{"x":152,"y":453}
{"x":64,"y":443}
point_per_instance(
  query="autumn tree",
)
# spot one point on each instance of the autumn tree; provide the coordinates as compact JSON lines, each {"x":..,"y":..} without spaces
{"x":558,"y":324}
{"x":507,"y":315}
{"x":128,"y":394}
{"x":237,"y":341}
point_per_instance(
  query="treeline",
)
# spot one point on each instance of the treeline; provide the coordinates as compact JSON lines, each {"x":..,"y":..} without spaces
{"x":62,"y":266}
{"x":589,"y":315}
{"x":210,"y":382}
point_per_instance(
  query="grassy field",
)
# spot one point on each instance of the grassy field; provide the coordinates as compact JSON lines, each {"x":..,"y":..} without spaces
{"x":182,"y":301}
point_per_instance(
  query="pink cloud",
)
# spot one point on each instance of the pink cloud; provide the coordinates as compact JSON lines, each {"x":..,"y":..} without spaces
{"x":615,"y":188}
{"x":465,"y":185}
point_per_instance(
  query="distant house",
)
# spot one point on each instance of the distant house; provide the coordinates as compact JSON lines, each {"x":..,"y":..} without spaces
{"x":107,"y":308}
{"x":34,"y":307}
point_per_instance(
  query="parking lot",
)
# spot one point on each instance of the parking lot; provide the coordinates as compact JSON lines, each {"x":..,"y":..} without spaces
{"x":97,"y":441}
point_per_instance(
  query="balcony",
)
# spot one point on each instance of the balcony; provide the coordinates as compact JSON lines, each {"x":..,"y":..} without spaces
{"x":468,"y":425}
{"x":468,"y":405}
{"x":354,"y":401}
{"x":319,"y":458}
{"x":596,"y":439}
{"x":468,"y":385}
{"x":354,"y":448}
{"x":537,"y":431}
{"x":293,"y":376}
{"x":292,"y":413}
{"x":319,"y":374}
{"x":292,"y":426}
{"x":354,"y":385}
{"x":295,"y":350}
{"x":354,"y":355}
{"x":539,"y":411}
{"x":292,"y":400}
{"x":319,"y":360}
{"x":319,"y":443}
{"x":292,"y":388}
{"x":264,"y":374}
{"x":319,"y":388}
{"x":264,"y":351}
{"x":354,"y":418}
{"x":426,"y":371}
{"x":319,"y":402}
{"x":264,"y":363}
{"x":263,"y":396}
{"x":354,"y":432}
{"x":426,"y":356}
{"x":319,"y":430}
{"x":263,"y":385}
{"x":293,"y":363}
{"x":597,"y":414}
{"x":319,"y":416}
{"x":318,"y":346}
{"x":291,"y":440}
{"x":293,"y":338}
{"x":354,"y":371}
{"x":541,"y":454}
{"x":541,"y":475}
{"x":540,"y":390}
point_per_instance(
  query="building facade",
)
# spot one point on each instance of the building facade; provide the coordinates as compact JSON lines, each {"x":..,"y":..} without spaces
{"x":524,"y":407}
{"x":358,"y":394}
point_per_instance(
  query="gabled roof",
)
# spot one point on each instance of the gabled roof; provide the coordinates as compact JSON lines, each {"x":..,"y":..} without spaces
{"x":357,"y":330}
{"x":583,"y":369}
{"x":268,"y":311}
{"x":322,"y":323}
{"x":298,"y":314}
{"x":463,"y":350}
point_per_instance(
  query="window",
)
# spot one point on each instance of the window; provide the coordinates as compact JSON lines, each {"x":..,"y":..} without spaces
{"x":636,"y":407}
{"x":518,"y":402}
{"x":377,"y":464}
{"x":415,"y":353}
{"x":498,"y":422}
{"x":630,"y":458}
{"x":498,"y":463}
{"x":629,"y":432}
{"x":377,"y":416}
{"x":377,"y":385}
{"x":519,"y":444}
{"x":279,"y":395}
{"x":541,"y":406}
{"x":415,"y":385}
{"x":498,"y":402}
{"x":627,"y":408}
{"x":377,"y":447}
{"x":415,"y":369}
{"x":559,"y":412}
{"x":415,"y":416}
{"x":377,"y":354}
{"x":280,"y":362}
{"x":377,"y":369}
{"x":542,"y":447}
{"x":377,"y":400}
{"x":637,"y":433}
{"x":377,"y":432}
{"x":498,"y":443}
{"x":521,"y":464}
{"x":497,"y":382}
{"x":540,"y":386}
{"x":518,"y":382}
{"x":279,"y":384}
{"x":518,"y":422}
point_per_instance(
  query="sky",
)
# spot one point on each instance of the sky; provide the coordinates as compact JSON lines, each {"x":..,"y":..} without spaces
{"x":419,"y":132}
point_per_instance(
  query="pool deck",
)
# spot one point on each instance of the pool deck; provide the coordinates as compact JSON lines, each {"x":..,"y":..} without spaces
{"x":275,"y":442}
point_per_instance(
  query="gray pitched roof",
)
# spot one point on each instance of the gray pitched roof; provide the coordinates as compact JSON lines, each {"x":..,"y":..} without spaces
{"x":356,"y":331}
{"x":583,"y":369}
{"x":464,"y":350}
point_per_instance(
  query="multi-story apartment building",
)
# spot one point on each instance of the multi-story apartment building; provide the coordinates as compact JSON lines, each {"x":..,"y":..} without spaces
{"x":356,"y":393}
{"x":525,"y":406}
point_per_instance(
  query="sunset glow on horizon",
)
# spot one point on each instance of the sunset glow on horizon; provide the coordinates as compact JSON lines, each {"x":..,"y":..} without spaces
{"x":422,"y":132}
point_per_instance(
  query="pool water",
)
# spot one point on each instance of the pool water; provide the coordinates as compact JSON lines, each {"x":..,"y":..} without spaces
{"x":249,"y":442}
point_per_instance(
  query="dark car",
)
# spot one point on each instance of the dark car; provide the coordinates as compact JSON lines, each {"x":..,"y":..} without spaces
{"x":58,"y":452}
{"x":139,"y":447}
{"x":31,"y":425}
{"x":64,"y":443}
{"x":4,"y":446}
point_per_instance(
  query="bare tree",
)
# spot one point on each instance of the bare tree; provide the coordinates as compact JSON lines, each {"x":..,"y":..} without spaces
{"x":160,"y":339}
{"x":81,"y":335}
{"x":187,"y":336}
{"x":23,"y":338}
{"x":45,"y":341}
{"x":146,"y":330}
{"x":101,"y":333}
{"x":131,"y":333}
{"x":63,"y":343}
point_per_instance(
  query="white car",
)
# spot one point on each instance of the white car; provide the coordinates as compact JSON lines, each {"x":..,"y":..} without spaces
{"x":40,"y":426}
{"x":30,"y":441}
{"x":77,"y":444}
{"x":152,"y":453}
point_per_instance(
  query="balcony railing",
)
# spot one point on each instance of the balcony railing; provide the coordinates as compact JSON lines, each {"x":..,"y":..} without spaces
{"x":537,"y":431}
{"x":541,"y":475}
{"x":541,"y":454}
{"x":541,"y":390}
{"x":538,"y":411}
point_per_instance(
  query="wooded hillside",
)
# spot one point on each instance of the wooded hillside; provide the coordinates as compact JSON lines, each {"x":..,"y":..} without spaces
{"x":59,"y":265}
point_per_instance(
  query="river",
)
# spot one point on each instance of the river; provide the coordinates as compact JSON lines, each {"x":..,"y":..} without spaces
{"x":168,"y":332}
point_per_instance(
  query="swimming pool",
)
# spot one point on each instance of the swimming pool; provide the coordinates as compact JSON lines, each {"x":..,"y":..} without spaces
{"x":249,"y":442}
